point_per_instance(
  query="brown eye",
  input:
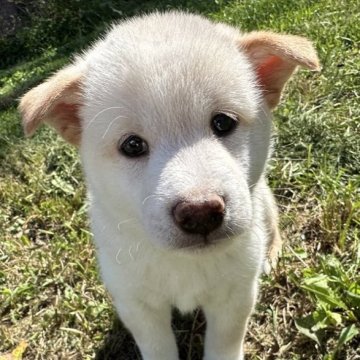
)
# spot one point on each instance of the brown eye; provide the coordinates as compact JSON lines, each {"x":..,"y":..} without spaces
{"x":223,"y":124}
{"x":134,"y":146}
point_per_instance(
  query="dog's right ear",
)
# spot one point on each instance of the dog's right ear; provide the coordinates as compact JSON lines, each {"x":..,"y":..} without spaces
{"x":56,"y":102}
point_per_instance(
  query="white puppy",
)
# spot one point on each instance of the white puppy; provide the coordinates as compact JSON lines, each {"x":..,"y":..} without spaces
{"x":171,"y":113}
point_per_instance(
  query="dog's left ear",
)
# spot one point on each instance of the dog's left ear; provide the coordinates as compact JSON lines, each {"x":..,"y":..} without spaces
{"x":275,"y":57}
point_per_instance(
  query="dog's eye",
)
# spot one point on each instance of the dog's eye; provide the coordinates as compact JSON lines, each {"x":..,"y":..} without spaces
{"x":134,"y":146}
{"x":223,"y":124}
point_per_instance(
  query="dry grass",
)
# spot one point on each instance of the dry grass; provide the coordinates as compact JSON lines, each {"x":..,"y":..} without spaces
{"x":50,"y":293}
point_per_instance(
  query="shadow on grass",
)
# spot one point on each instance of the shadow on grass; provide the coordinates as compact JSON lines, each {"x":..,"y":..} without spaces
{"x":83,"y":25}
{"x":118,"y":344}
{"x":189,"y":331}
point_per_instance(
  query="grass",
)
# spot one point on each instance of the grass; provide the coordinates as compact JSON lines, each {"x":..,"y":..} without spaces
{"x":52,"y":303}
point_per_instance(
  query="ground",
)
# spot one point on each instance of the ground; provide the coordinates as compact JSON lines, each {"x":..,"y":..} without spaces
{"x":52,"y":302}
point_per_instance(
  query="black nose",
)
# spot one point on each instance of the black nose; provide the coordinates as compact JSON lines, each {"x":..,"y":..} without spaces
{"x":200,"y":217}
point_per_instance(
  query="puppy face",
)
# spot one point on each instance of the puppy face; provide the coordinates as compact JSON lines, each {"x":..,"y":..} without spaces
{"x":173,"y":97}
{"x":171,"y":114}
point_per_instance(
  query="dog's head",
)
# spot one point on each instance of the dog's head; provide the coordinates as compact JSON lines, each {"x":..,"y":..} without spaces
{"x":171,"y":114}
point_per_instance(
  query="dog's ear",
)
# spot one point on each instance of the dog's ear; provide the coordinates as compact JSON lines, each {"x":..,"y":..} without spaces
{"x":56,"y":102}
{"x":275,"y":58}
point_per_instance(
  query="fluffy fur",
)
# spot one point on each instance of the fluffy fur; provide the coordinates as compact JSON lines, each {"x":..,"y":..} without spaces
{"x":163,"y":77}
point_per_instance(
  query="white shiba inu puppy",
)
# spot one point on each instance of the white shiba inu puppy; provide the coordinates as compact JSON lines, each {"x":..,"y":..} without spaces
{"x":171,"y":114}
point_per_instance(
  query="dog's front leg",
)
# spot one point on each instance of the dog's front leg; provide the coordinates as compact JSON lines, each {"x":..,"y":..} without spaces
{"x":151,"y":328}
{"x":226,"y":328}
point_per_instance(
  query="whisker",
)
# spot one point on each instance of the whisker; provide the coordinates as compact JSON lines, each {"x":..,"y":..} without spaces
{"x":109,"y":126}
{"x":147,"y":198}
{"x":124,"y":222}
{"x":158,"y":196}
{"x":102,"y":111}
{"x":130,"y":254}
{"x":117,"y":256}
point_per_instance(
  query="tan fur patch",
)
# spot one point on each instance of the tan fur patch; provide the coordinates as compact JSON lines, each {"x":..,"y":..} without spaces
{"x":56,"y":102}
{"x":275,"y":57}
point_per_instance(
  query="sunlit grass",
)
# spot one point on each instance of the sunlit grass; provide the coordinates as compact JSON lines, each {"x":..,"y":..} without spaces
{"x":51,"y":297}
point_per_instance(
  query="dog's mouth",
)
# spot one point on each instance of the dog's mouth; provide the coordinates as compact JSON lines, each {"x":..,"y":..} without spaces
{"x":190,"y":243}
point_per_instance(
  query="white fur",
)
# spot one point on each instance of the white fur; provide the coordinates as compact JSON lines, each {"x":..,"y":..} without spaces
{"x":162,"y":77}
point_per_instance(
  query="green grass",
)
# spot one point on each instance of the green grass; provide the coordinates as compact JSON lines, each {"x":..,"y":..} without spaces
{"x":51,"y":297}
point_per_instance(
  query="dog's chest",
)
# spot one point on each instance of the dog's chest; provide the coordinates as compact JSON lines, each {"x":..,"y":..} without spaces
{"x":185,"y":283}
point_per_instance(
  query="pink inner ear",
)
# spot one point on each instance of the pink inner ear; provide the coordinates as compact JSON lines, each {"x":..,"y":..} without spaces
{"x":268,"y":67}
{"x":272,"y":74}
{"x":69,"y":126}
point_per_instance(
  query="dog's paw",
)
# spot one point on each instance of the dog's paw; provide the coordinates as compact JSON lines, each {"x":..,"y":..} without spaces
{"x":272,"y":256}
